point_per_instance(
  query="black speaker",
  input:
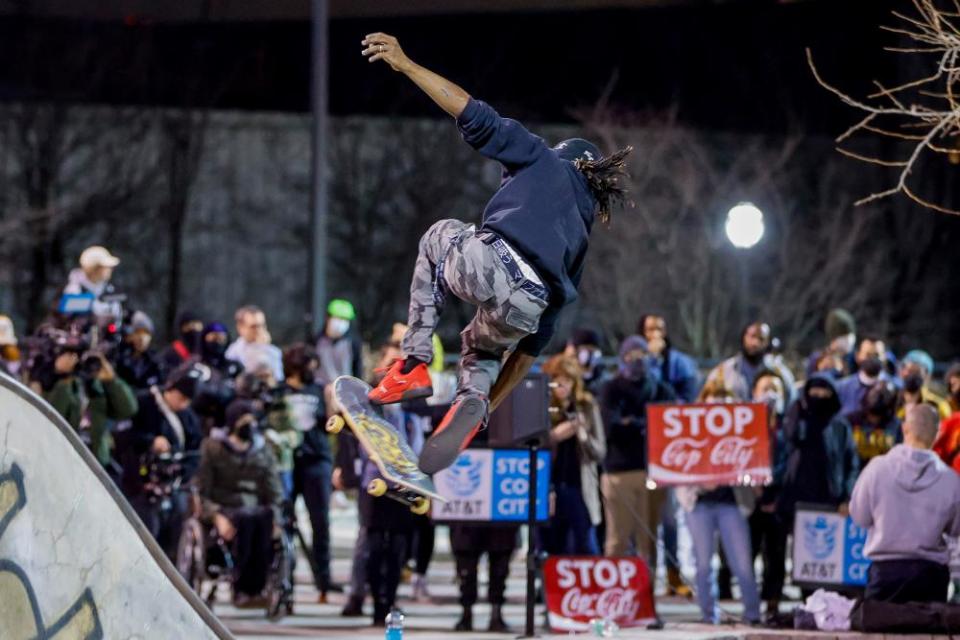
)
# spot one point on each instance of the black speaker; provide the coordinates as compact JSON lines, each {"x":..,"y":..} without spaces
{"x":524,"y":415}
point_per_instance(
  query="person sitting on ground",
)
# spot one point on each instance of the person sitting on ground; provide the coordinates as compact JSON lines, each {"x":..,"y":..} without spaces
{"x":910,"y":484}
{"x":241,"y":496}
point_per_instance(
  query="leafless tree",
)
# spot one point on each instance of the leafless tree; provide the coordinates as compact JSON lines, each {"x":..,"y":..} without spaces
{"x":921,"y":115}
{"x":668,"y":253}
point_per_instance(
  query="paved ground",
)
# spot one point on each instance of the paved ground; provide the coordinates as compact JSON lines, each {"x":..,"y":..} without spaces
{"x":435,"y":619}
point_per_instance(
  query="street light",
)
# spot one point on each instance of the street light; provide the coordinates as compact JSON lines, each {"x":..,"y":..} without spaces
{"x":744,"y":225}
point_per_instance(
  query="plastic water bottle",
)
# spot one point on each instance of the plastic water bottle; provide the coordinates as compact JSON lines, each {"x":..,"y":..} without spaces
{"x":603,"y":628}
{"x":394,"y":625}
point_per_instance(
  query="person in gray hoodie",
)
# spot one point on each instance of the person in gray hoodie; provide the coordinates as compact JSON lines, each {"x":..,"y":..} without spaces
{"x":908,"y":500}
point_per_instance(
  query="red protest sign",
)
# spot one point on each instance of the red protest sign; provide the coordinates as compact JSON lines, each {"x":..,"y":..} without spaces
{"x":582,"y":588}
{"x":725,"y":444}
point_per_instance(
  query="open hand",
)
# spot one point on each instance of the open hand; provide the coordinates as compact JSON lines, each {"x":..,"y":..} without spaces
{"x":380,"y":46}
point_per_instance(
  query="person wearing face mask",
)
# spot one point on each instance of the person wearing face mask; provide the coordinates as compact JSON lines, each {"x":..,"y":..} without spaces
{"x":631,"y":508}
{"x":916,"y":371}
{"x":164,"y":423}
{"x":337,"y":346}
{"x":216,"y":338}
{"x":189,"y":342}
{"x":673,"y":366}
{"x":737,"y":373}
{"x":870,"y":369}
{"x":841,"y":331}
{"x":768,"y":531}
{"x":302,"y":401}
{"x":584,"y":346}
{"x":876,"y":428}
{"x":241,"y":496}
{"x":136,"y":362}
{"x":577,"y":444}
{"x":820,"y":460}
{"x":9,"y":351}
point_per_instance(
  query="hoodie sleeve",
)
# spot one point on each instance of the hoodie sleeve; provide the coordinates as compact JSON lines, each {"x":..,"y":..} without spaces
{"x":497,"y":138}
{"x":861,"y":500}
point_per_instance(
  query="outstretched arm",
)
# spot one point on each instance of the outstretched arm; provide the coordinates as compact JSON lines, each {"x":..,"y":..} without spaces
{"x":512,"y":372}
{"x":450,"y":97}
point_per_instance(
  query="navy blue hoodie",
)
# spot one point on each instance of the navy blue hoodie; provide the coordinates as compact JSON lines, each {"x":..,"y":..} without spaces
{"x":543,"y":207}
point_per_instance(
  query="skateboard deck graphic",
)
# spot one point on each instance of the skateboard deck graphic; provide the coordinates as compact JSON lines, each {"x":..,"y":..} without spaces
{"x":394,"y":458}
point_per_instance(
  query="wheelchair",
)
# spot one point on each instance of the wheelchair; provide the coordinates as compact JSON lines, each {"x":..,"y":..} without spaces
{"x":204,"y":560}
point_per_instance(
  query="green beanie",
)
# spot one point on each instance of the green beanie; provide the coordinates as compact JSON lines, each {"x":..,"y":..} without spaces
{"x":340,"y":308}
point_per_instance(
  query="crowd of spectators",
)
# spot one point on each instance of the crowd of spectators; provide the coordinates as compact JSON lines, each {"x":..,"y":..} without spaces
{"x":244,"y":421}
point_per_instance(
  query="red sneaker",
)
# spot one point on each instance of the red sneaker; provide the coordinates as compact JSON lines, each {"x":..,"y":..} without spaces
{"x":397,"y":385}
{"x":458,"y":428}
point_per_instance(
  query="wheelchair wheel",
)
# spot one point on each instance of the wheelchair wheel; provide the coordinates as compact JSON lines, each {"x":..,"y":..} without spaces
{"x":191,"y":554}
{"x":280,"y":578}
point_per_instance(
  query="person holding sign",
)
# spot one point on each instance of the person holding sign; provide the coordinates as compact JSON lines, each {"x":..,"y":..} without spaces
{"x":908,"y":500}
{"x":712,"y":511}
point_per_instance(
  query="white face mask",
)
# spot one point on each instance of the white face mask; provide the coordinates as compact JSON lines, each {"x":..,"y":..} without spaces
{"x":774,"y":400}
{"x":336,"y":327}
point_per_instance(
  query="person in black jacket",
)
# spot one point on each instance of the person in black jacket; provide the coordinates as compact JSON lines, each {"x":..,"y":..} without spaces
{"x":164,"y":424}
{"x":137,"y":363}
{"x":819,"y":462}
{"x":632,"y":510}
{"x":312,"y":459}
{"x":520,"y":266}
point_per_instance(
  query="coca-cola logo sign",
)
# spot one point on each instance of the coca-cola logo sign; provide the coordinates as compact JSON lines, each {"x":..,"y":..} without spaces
{"x":582,"y":588}
{"x":708,"y":443}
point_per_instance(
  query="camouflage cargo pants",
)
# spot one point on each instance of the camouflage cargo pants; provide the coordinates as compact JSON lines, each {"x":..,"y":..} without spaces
{"x":453,"y":259}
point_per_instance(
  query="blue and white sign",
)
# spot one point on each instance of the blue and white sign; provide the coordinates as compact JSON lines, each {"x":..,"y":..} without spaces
{"x":828,"y":549}
{"x":491,"y":485}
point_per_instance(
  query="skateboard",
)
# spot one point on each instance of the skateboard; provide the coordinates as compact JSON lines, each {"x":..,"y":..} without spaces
{"x":402,"y":479}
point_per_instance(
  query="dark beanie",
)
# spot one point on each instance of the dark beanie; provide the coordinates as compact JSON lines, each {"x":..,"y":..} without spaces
{"x":839,"y":323}
{"x":236,"y":410}
{"x":583,"y":336}
{"x":187,"y":379}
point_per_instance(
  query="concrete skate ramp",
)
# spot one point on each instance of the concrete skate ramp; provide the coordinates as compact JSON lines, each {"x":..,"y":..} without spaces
{"x":75,"y":561}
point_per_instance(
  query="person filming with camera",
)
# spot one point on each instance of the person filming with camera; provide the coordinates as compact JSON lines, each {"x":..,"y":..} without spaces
{"x":90,"y":396}
{"x":92,"y":279}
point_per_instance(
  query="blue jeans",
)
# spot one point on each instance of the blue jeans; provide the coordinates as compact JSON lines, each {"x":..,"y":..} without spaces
{"x":570,"y":531}
{"x":704,"y":522}
{"x":668,"y":522}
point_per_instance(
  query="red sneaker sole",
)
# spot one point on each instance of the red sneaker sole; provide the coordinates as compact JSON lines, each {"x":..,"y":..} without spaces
{"x":442,"y":448}
{"x":412,"y":394}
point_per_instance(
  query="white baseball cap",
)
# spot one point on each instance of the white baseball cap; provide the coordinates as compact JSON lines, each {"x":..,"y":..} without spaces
{"x":97,"y":256}
{"x":7,"y":335}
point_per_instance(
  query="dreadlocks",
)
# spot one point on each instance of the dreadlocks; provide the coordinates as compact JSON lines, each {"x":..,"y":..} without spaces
{"x":603,"y":179}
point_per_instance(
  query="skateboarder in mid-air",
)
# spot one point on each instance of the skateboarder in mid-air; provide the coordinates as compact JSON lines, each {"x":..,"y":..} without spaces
{"x":520,"y":267}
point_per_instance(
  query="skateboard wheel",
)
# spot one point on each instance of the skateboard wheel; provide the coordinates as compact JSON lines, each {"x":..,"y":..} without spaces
{"x":377,"y":487}
{"x":335,"y":424}
{"x":420,"y":506}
